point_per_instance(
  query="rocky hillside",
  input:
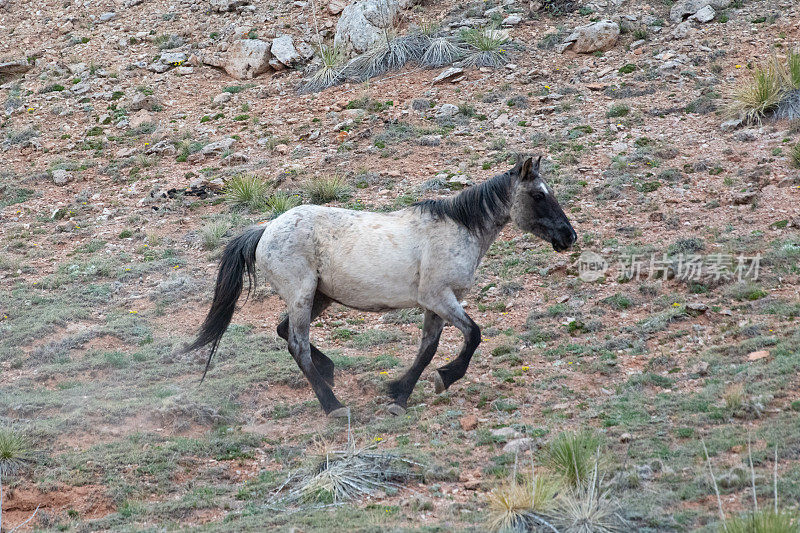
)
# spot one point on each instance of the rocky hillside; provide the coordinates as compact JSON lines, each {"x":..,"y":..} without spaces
{"x":137,"y":136}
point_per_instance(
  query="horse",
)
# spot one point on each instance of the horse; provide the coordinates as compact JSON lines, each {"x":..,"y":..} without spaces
{"x":422,"y":256}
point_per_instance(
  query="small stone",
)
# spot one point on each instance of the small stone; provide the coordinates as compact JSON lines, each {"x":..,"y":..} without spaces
{"x":448,"y":75}
{"x":512,"y":20}
{"x":105,"y":17}
{"x":61,"y":177}
{"x":218,"y":147}
{"x":696,"y":309}
{"x":700,"y":368}
{"x":625,"y":437}
{"x":447,"y":110}
{"x":706,"y":14}
{"x":519,"y":445}
{"x":336,"y":6}
{"x":505,"y":433}
{"x":147,"y":102}
{"x":755,"y":356}
{"x":222,"y":98}
{"x":283,"y":50}
{"x":469,"y":422}
{"x":730,"y":125}
{"x":282,"y":149}
{"x":502,"y":121}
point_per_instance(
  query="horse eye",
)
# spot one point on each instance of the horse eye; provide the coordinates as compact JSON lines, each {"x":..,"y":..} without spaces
{"x":536,"y":195}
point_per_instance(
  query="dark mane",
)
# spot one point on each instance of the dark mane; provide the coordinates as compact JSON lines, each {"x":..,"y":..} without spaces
{"x":476,"y":207}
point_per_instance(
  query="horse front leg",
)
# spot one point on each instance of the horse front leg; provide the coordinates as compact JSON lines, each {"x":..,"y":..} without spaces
{"x":401,"y":388}
{"x":451,"y":311}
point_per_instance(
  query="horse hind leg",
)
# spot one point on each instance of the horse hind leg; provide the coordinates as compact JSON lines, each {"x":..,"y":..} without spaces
{"x":321,"y":361}
{"x":300,"y":347}
{"x":401,"y":388}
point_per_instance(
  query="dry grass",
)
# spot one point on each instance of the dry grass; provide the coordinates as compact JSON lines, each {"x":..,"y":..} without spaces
{"x":515,"y":506}
{"x":588,"y":508}
{"x":759,"y":95}
{"x":247,"y":190}
{"x":322,"y":190}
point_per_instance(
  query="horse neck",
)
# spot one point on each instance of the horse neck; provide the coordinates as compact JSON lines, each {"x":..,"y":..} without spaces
{"x":501,"y":217}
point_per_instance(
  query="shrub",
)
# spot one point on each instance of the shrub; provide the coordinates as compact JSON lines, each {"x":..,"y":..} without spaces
{"x":281,"y":201}
{"x":759,"y":95}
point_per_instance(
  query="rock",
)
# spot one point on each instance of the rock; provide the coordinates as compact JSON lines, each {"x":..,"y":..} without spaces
{"x":218,"y":147}
{"x":364,"y":23}
{"x":625,"y":437}
{"x":14,"y":68}
{"x":730,"y":125}
{"x":147,"y":102}
{"x":502,"y":121}
{"x":448,"y":75}
{"x":446,"y":111}
{"x":706,"y":14}
{"x":61,"y":177}
{"x":696,"y":309}
{"x":744,"y":198}
{"x":173,"y":59}
{"x":336,"y":6}
{"x":222,"y":6}
{"x":519,"y":445}
{"x":284,"y":51}
{"x":420,"y":104}
{"x":685,"y":8}
{"x":512,"y":20}
{"x":140,"y":118}
{"x":282,"y":149}
{"x":108,"y":15}
{"x":247,"y":58}
{"x":430,"y":140}
{"x":469,"y":422}
{"x":755,"y":356}
{"x":505,"y":433}
{"x":700,"y":368}
{"x":222,"y":98}
{"x":459,"y":181}
{"x":593,"y":37}
{"x":682,"y":30}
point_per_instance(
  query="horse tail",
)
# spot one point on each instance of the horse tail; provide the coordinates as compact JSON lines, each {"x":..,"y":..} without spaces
{"x":238,"y":258}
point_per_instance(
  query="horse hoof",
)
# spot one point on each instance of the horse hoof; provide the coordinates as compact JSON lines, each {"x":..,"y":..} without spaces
{"x":342,"y":412}
{"x":438,"y":384}
{"x":396,"y":410}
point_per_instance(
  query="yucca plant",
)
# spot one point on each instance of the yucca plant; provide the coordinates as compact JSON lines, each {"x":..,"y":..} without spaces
{"x":759,"y":95}
{"x":791,"y":70}
{"x":441,"y":51}
{"x":514,"y":506}
{"x":391,"y":54}
{"x":572,"y":455}
{"x":330,"y":71}
{"x":281,"y":201}
{"x":247,"y":190}
{"x":322,"y":190}
{"x":486,"y":47}
{"x":587,"y":508}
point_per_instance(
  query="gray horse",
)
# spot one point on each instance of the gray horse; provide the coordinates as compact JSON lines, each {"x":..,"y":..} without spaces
{"x":423,"y":256}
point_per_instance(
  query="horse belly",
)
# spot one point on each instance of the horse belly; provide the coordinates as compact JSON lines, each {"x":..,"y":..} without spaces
{"x":375,"y":281}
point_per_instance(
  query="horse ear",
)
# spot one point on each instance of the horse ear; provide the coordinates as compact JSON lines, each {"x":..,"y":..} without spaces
{"x":525,"y":171}
{"x":536,"y":165}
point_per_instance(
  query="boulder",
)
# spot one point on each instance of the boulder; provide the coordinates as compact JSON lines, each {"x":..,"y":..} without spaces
{"x":284,"y":52}
{"x":685,"y":8}
{"x":447,"y":110}
{"x":144,"y":101}
{"x":594,"y":37}
{"x":520,"y":445}
{"x":363,"y":24}
{"x":61,"y":177}
{"x":247,"y":58}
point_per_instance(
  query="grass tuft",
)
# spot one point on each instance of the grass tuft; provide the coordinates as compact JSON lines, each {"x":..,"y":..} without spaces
{"x":759,"y":95}
{"x":486,"y":47}
{"x":794,"y":155}
{"x":213,"y":232}
{"x":513,"y":506}
{"x":15,"y":452}
{"x":765,"y":521}
{"x":588,"y":508}
{"x":282,"y":201}
{"x":322,"y":190}
{"x":572,"y":454}
{"x":247,"y":190}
